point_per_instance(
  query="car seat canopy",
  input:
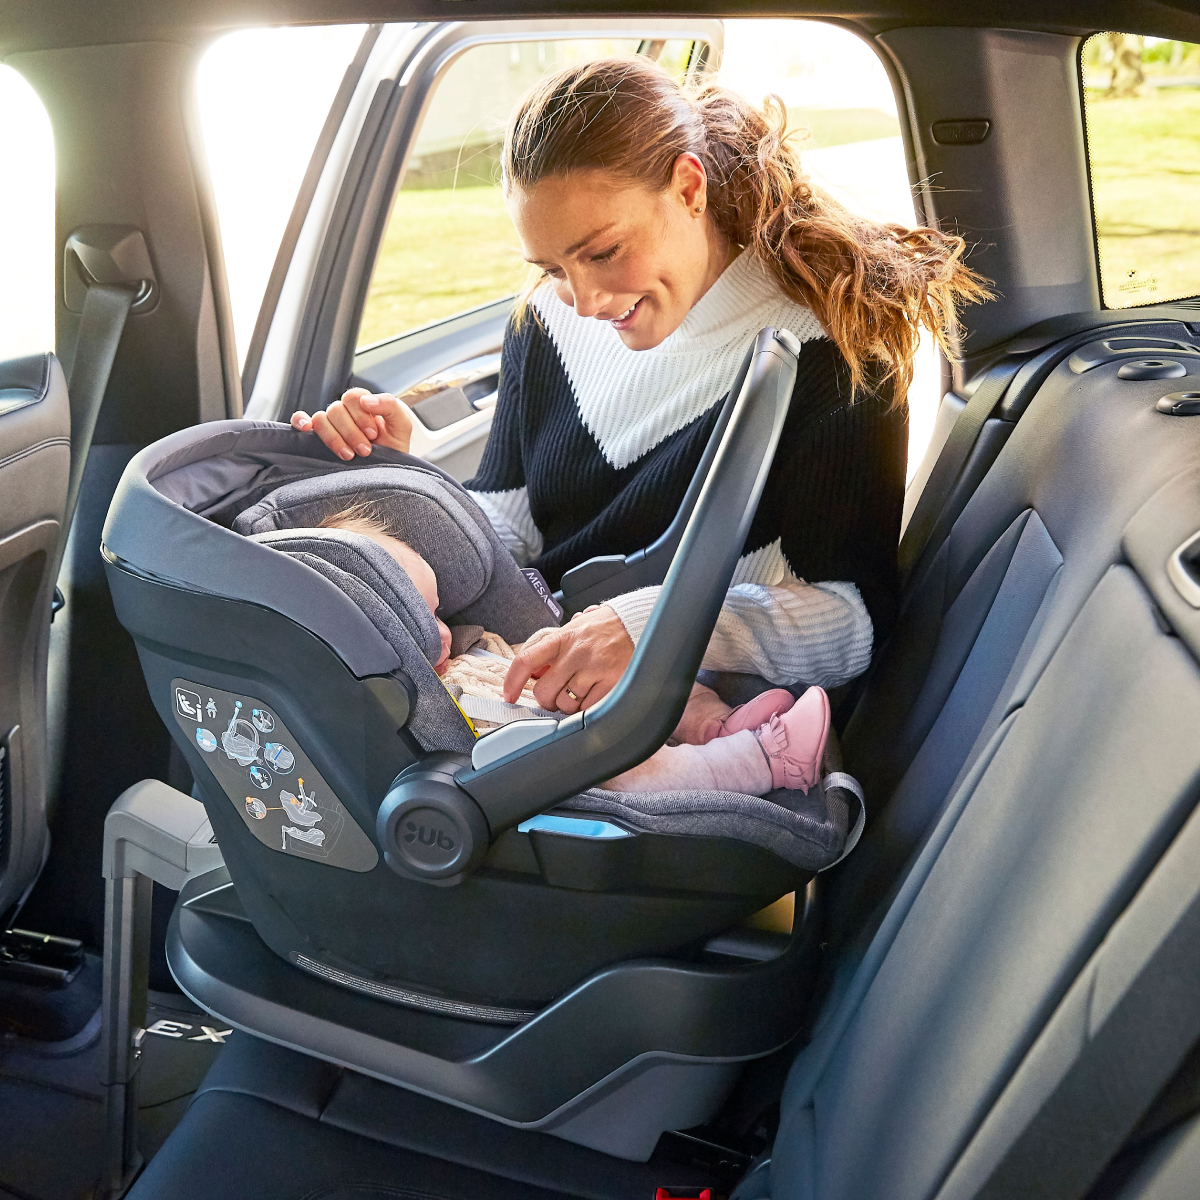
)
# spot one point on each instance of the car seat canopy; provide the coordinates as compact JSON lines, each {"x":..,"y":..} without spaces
{"x":418,"y":507}
{"x":368,"y":574}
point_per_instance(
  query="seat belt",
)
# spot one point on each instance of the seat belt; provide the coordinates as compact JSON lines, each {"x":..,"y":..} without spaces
{"x":1123,"y":1066}
{"x":106,"y":270}
{"x":950,"y":463}
{"x":105,"y":310}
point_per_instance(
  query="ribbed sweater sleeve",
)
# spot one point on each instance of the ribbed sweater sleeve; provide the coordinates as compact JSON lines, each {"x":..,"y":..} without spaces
{"x":791,"y":632}
{"x":513,"y":522}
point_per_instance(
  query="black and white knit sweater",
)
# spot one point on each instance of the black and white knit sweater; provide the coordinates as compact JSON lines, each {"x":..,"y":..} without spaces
{"x":593,"y":446}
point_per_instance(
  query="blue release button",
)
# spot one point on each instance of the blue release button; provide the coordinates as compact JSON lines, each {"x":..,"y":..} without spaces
{"x":572,"y":827}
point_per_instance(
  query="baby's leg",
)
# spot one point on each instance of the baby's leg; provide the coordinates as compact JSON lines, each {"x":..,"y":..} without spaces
{"x":702,"y":717}
{"x":707,"y":716}
{"x":731,"y":764}
{"x":784,"y":752}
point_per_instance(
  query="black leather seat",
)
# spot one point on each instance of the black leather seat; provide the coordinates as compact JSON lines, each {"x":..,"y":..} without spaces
{"x":1031,"y":743}
{"x":35,"y":459}
{"x":1037,"y":720}
{"x":276,"y":1125}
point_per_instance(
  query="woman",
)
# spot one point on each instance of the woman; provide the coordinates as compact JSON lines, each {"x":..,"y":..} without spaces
{"x":667,"y":228}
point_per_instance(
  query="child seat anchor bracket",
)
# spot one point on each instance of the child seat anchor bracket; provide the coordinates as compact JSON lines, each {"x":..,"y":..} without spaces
{"x":152,"y":834}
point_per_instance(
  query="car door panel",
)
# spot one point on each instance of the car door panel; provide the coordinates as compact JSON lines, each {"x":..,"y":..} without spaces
{"x":470,"y":340}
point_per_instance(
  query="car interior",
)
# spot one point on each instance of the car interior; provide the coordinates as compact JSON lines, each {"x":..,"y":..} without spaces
{"x":277,"y":922}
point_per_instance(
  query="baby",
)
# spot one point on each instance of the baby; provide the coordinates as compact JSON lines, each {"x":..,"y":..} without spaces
{"x":771,"y":742}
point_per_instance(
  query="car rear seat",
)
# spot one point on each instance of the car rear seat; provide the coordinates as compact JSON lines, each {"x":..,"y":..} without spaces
{"x":275,"y":1125}
{"x":982,"y":619}
{"x":1036,"y":723}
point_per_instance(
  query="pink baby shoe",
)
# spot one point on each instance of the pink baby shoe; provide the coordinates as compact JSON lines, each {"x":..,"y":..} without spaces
{"x":753,"y":714}
{"x":795,"y":742}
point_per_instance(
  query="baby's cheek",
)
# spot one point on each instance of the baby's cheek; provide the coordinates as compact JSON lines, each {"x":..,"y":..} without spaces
{"x":444,"y":630}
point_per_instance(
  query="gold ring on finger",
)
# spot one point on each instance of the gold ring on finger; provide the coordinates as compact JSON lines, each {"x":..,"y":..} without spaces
{"x":571,"y":694}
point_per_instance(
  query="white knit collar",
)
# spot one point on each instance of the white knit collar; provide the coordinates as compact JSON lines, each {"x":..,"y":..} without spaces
{"x":630,"y":400}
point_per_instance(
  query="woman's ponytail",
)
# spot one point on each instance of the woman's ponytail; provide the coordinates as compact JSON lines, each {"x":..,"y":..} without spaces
{"x":872,"y":285}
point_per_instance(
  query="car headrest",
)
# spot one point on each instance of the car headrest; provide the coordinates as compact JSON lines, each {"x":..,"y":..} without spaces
{"x":417,"y":506}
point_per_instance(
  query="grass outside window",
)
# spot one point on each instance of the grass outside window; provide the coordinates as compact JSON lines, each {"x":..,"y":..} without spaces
{"x":445,"y":250}
{"x":1144,"y":149}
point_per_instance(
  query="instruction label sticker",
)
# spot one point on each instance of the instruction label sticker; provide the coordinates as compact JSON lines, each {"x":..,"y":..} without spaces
{"x":281,"y":797}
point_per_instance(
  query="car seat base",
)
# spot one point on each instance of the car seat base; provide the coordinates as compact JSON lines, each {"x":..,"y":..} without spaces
{"x":639,"y":1048}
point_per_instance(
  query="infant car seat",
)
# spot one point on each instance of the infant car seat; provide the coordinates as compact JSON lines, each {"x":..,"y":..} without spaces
{"x":369,"y":837}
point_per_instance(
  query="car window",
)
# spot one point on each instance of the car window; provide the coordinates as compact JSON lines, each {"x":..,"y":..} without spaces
{"x":26,"y":220}
{"x":263,"y":95}
{"x":449,"y":245}
{"x":1142,"y":108}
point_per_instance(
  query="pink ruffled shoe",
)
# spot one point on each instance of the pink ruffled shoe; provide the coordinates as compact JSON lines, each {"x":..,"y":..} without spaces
{"x":753,"y":714}
{"x":795,"y":742}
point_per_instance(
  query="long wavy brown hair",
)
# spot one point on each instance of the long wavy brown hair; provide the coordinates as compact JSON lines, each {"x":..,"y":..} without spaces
{"x":871,"y":284}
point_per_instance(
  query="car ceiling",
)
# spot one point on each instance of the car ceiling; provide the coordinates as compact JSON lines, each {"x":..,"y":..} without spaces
{"x":29,"y":25}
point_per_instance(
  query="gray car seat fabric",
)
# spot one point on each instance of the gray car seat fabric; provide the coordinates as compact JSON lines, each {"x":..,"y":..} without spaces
{"x":1032,"y":738}
{"x":369,"y":575}
{"x":35,"y":457}
{"x":366,"y":573}
{"x":209,"y":475}
{"x":477,"y":578}
{"x":810,"y":831}
{"x":478,"y":581}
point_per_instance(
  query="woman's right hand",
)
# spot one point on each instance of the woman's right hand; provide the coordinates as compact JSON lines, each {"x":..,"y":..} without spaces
{"x":350,"y":425}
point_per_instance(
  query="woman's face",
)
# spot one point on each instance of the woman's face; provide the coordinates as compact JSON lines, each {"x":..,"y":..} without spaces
{"x":621,"y":252}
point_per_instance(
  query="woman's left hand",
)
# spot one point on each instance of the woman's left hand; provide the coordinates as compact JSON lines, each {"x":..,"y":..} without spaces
{"x":575,"y":666}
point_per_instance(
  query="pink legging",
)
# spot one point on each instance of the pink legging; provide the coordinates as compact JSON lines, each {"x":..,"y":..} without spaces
{"x":729,"y":764}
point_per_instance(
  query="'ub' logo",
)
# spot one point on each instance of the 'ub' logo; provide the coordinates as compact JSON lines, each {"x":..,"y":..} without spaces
{"x":428,"y":837}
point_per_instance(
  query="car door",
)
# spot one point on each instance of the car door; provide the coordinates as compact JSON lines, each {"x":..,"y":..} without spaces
{"x":400,"y":265}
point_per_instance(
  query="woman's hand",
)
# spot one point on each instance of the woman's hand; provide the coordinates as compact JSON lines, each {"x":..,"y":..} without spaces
{"x":575,"y":666}
{"x":350,"y":425}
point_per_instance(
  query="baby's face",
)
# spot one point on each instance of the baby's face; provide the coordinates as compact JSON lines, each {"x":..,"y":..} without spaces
{"x":425,"y":581}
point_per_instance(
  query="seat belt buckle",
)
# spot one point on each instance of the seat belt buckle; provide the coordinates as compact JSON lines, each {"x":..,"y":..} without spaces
{"x":670,"y":1193}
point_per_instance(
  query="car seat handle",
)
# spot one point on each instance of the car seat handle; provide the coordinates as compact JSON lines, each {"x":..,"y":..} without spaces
{"x":641,"y":712}
{"x":599,"y":579}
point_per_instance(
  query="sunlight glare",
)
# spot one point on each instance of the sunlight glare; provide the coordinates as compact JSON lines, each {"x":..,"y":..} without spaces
{"x":263,"y":97}
{"x":26,"y":219}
